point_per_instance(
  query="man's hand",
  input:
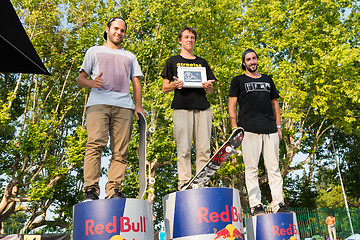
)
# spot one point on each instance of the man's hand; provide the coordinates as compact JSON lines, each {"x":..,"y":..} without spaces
{"x":208,"y":86}
{"x":98,"y":81}
{"x":139,"y":110}
{"x":178,"y":83}
{"x":84,"y":82}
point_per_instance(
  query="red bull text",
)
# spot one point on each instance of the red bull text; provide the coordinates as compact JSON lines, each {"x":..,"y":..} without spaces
{"x":275,"y":226}
{"x":126,"y":225}
{"x":115,"y":219}
{"x":225,"y":216}
{"x":282,"y":231}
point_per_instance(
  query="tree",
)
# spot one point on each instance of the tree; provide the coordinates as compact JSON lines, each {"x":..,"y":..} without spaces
{"x":303,"y":45}
{"x":42,"y":142}
{"x":333,"y":199}
{"x":300,"y":192}
{"x":15,"y":221}
{"x":346,"y":152}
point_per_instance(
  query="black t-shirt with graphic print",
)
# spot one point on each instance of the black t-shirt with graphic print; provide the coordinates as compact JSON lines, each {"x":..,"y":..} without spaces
{"x":187,"y":98}
{"x":254,"y":96}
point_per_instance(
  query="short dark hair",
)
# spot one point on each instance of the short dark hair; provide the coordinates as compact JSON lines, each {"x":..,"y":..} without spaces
{"x":189,"y":29}
{"x":110,"y":22}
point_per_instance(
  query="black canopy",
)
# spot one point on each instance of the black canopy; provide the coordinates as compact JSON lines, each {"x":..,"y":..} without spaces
{"x":17,"y":54}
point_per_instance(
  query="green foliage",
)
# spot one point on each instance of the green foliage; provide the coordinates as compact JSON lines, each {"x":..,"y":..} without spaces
{"x":15,"y":221}
{"x":299,"y":192}
{"x":332,"y":199}
{"x":347,"y":153}
{"x":76,"y":146}
{"x":40,"y":154}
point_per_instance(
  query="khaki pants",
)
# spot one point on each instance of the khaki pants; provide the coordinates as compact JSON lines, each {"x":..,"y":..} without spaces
{"x":332,"y":232}
{"x":192,"y":125}
{"x":100,"y":121}
{"x":252,"y":146}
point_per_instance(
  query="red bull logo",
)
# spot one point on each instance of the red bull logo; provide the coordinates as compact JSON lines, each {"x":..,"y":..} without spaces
{"x":126,"y":225}
{"x":118,"y":237}
{"x":204,"y":215}
{"x":230,"y":232}
{"x":282,"y":231}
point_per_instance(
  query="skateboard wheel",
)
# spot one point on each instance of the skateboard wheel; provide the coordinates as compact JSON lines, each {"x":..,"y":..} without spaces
{"x":228,"y":149}
{"x":151,"y":180}
{"x":195,"y":186}
{"x":151,"y":129}
{"x":238,"y":152}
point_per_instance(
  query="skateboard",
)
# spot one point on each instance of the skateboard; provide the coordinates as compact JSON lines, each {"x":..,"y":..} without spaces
{"x":209,"y":169}
{"x":143,"y":136}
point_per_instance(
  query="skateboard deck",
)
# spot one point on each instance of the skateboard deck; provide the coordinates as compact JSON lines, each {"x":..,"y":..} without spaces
{"x":218,"y":159}
{"x":142,"y":155}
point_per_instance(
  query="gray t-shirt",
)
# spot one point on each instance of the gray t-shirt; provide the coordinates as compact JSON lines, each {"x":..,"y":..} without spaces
{"x":118,"y":67}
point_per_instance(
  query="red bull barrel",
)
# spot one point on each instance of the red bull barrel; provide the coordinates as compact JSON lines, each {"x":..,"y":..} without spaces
{"x":203,"y":214}
{"x":274,"y":226}
{"x":113,"y":219}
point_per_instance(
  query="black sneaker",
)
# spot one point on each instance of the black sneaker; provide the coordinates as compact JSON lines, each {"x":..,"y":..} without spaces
{"x":118,"y":194}
{"x":282,"y":208}
{"x":258,"y":209}
{"x":90,"y":194}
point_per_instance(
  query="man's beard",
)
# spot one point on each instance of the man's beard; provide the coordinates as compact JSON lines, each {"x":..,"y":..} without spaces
{"x":251,"y":70}
{"x":115,"y":42}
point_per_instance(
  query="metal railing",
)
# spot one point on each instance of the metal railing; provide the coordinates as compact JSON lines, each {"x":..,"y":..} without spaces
{"x":45,"y":230}
{"x":312,"y":221}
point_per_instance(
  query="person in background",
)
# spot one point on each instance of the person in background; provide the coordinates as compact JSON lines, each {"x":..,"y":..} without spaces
{"x":330,"y":221}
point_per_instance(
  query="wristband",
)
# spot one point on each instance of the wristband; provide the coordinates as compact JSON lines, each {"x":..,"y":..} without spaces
{"x":279,"y":127}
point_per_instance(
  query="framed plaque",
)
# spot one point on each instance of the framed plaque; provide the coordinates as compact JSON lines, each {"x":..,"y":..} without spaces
{"x":193,"y":77}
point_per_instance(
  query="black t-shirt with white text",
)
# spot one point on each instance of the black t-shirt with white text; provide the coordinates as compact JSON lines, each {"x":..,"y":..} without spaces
{"x":187,"y":98}
{"x":254,"y":96}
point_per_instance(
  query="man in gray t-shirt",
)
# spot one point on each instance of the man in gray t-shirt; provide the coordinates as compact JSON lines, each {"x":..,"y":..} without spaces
{"x":110,"y":108}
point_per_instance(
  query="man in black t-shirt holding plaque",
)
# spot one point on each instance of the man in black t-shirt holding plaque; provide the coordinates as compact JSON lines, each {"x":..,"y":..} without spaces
{"x":260,"y":117}
{"x":192,"y":115}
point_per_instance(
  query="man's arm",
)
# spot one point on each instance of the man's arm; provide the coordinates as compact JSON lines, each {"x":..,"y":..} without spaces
{"x":84,"y":82}
{"x":232,"y":111}
{"x":137,"y":96}
{"x":276,"y":110}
